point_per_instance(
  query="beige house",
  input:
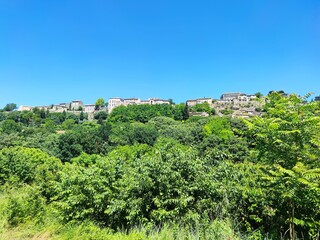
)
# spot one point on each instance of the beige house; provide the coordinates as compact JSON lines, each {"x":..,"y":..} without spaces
{"x":74,"y":105}
{"x":191,"y":103}
{"x":158,"y":101}
{"x":230,"y":96}
{"x":194,"y":102}
{"x":116,"y":102}
{"x":130,"y":101}
{"x":59,"y":108}
{"x":41,"y":107}
{"x":236,"y":97}
{"x":88,"y":108}
{"x":145,"y":101}
{"x":24,"y":108}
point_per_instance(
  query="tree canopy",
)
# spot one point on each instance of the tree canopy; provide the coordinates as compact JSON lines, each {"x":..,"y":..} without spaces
{"x":152,"y":167}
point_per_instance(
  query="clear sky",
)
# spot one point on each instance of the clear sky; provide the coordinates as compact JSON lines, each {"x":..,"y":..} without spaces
{"x":54,"y":51}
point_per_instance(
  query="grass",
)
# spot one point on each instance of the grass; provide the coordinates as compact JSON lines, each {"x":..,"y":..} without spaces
{"x":51,"y":229}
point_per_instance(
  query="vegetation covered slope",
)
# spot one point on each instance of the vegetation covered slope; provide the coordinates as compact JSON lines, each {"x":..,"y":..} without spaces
{"x":152,"y":173}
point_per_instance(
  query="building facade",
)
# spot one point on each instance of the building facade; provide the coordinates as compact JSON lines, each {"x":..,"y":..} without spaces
{"x":116,"y":102}
{"x":88,"y":108}
{"x":193,"y":102}
{"x":74,"y":105}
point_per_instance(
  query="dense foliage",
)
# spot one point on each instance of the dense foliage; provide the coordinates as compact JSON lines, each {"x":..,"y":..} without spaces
{"x":153,"y":169}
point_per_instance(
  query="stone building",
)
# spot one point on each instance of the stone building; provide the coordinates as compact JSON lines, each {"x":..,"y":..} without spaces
{"x":116,"y":102}
{"x":24,"y":108}
{"x":130,"y":101}
{"x":153,"y":101}
{"x":194,"y":102}
{"x":74,"y":105}
{"x":88,"y":108}
{"x":59,"y":107}
{"x":231,"y":96}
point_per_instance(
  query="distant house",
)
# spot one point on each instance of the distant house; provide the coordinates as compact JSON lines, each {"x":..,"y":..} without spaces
{"x":64,"y":105}
{"x":24,"y":108}
{"x":145,"y":101}
{"x":237,"y":97}
{"x":203,"y":100}
{"x":194,"y":102}
{"x":191,"y":103}
{"x":42,"y":107}
{"x":158,"y":101}
{"x":130,"y":101}
{"x":116,"y":102}
{"x":74,"y":105}
{"x":317,"y":98}
{"x":231,"y":96}
{"x":59,"y":108}
{"x":88,"y":108}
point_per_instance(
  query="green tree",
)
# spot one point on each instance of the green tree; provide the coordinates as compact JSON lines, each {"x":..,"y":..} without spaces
{"x":202,"y":107}
{"x":220,"y":127}
{"x":10,"y":107}
{"x":287,"y":138}
{"x":188,"y":133}
{"x":132,"y":133}
{"x":83,"y":116}
{"x":10,"y":126}
{"x":258,"y":94}
{"x":101,"y":115}
{"x":30,"y":166}
{"x":68,"y":124}
{"x":298,"y":192}
{"x":49,"y":125}
{"x":140,"y":113}
{"x":99,"y":103}
{"x":178,"y":112}
{"x":26,"y":117}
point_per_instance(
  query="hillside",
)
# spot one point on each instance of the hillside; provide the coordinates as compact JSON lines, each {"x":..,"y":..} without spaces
{"x":154,"y":171}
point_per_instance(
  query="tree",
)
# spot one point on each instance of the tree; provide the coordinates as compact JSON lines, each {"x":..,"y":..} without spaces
{"x":201,"y":107}
{"x":298,"y":190}
{"x":49,"y":125}
{"x":140,"y":113}
{"x":220,"y":127}
{"x":26,"y":117}
{"x":83,"y":116}
{"x":28,"y":165}
{"x":188,"y":133}
{"x":10,"y":107}
{"x":185,"y":112}
{"x":258,"y":94}
{"x":10,"y":126}
{"x":132,"y":133}
{"x":287,"y":138}
{"x":73,"y":116}
{"x":68,"y":124}
{"x":101,"y":115}
{"x":178,"y":112}
{"x":99,"y":103}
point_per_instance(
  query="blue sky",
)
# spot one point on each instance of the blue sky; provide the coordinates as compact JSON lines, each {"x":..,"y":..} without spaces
{"x":57,"y":51}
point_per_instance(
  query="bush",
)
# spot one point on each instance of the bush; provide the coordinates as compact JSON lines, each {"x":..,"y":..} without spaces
{"x":25,"y":204}
{"x":28,"y":165}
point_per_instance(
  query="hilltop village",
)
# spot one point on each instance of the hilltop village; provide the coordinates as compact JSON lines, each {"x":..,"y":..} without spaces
{"x":234,"y":104}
